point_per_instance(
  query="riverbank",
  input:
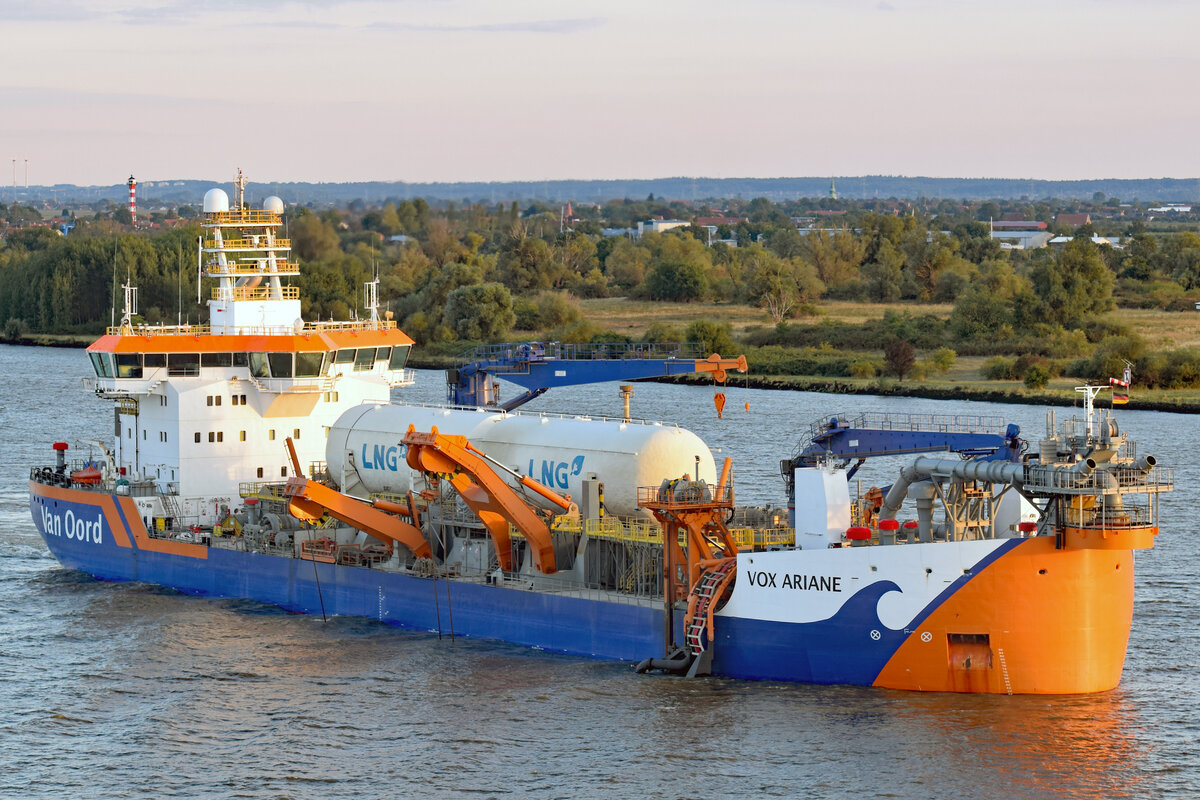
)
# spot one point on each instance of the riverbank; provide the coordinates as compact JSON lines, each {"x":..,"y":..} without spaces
{"x":1061,"y":392}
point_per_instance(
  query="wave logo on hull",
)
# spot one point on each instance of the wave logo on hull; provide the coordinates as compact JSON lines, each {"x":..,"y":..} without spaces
{"x":852,"y":646}
{"x":73,"y":527}
{"x":557,"y":473}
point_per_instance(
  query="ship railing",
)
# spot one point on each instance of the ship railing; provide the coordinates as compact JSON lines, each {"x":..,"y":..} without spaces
{"x":400,"y":377}
{"x":940,"y":423}
{"x":210,"y":245}
{"x":259,"y":267}
{"x":251,"y":330}
{"x":1129,"y":515}
{"x":262,"y":490}
{"x":350,"y":325}
{"x":1056,"y":480}
{"x":540,"y":351}
{"x":256,"y":293}
{"x":680,"y":493}
{"x":122,"y":387}
{"x":546,"y":414}
{"x":293,"y":385}
{"x":244,"y":216}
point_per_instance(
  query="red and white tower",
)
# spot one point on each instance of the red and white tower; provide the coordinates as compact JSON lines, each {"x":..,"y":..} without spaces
{"x":132,"y":184}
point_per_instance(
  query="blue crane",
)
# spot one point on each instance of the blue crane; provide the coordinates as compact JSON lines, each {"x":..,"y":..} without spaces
{"x":541,"y":366}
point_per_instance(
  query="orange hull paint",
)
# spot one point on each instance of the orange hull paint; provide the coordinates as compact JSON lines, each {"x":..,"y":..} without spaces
{"x":1035,"y":621}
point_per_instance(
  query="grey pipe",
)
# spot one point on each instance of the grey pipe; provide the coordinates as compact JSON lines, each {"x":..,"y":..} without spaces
{"x":1145,"y":463}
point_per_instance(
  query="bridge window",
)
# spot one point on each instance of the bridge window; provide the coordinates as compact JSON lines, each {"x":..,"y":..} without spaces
{"x":216,"y":360}
{"x":102,"y":364}
{"x":308,"y":365}
{"x":383,"y":354}
{"x":258,"y":365}
{"x":152,"y":360}
{"x":344,"y":356}
{"x":183,"y":364}
{"x":241,"y":360}
{"x":281,"y":364}
{"x":365,"y":359}
{"x":399,"y":356}
{"x":129,"y":365}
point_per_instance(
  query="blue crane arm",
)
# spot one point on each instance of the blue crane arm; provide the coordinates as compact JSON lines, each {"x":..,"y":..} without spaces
{"x":871,"y":435}
{"x":539,"y":367}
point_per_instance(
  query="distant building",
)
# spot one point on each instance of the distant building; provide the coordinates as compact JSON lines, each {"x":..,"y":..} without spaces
{"x":660,"y":225}
{"x":713,"y":239}
{"x":1022,"y":240}
{"x":1171,"y":208}
{"x":609,"y":233}
{"x":1112,"y":241}
{"x":1073,"y":220}
{"x":400,"y":239}
{"x":1018,"y":225}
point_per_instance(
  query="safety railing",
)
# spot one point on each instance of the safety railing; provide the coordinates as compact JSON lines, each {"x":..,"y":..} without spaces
{"x":256,"y":293}
{"x":245,"y":216}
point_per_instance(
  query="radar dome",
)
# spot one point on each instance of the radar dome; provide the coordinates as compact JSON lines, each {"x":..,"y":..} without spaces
{"x":273,"y":204}
{"x":215,"y":200}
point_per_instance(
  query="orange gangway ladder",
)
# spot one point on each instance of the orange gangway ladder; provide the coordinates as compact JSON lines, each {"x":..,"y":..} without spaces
{"x":702,"y":605}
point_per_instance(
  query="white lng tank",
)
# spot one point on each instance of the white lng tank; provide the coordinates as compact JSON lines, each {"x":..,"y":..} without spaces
{"x":364,"y":453}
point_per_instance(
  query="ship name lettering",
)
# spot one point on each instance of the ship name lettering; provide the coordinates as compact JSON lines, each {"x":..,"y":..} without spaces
{"x":73,"y":527}
{"x":809,"y":583}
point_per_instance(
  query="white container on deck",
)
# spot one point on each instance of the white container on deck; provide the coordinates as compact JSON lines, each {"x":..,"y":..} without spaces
{"x":364,"y":452}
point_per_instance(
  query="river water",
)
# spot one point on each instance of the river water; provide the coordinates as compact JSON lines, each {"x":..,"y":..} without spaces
{"x":128,"y":690}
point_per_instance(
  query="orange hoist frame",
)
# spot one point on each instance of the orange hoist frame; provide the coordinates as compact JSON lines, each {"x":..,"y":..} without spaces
{"x":486,"y":493}
{"x":310,"y":501}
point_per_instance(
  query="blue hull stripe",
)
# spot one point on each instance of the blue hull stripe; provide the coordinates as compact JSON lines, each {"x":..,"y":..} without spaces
{"x":851,"y":647}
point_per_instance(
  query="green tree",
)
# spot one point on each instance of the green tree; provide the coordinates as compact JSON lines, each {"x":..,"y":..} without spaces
{"x":899,"y":357}
{"x":1036,"y":377}
{"x":714,"y":337}
{"x":884,"y":275}
{"x":1074,"y":286}
{"x":483,"y":312}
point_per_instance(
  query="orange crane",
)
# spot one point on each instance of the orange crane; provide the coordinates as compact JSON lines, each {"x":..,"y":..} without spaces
{"x":311,"y":501}
{"x":473,"y":475}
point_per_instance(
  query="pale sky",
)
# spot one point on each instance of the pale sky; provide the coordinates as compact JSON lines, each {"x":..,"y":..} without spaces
{"x":454,"y":90}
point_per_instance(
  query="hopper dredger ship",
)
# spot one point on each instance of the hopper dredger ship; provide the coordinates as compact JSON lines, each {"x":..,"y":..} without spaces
{"x":260,"y":456}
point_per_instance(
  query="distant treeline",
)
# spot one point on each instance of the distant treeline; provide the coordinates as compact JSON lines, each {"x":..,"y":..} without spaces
{"x":689,"y":189}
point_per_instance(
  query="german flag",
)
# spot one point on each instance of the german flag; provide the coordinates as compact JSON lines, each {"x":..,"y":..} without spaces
{"x":1120,"y":390}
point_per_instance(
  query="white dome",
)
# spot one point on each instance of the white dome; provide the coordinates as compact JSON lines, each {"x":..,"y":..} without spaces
{"x":273,"y":204}
{"x":215,"y":200}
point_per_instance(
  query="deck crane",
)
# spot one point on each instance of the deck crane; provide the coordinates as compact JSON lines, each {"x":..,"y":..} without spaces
{"x":541,"y":366}
{"x":842,"y":438}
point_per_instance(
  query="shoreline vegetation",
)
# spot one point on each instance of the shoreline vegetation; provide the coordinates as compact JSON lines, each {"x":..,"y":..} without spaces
{"x":1006,"y":301}
{"x":960,"y":386}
